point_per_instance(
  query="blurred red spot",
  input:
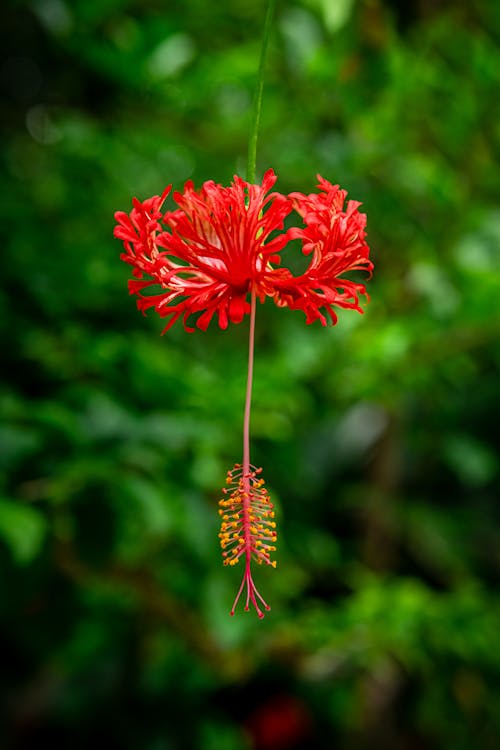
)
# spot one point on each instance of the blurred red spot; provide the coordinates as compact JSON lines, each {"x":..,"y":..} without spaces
{"x":280,"y":723}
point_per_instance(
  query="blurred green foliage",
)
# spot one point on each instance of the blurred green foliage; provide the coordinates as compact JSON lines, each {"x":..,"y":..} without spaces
{"x":379,"y":437}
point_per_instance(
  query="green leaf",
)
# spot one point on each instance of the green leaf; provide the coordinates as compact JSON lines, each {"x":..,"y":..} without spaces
{"x":23,"y":529}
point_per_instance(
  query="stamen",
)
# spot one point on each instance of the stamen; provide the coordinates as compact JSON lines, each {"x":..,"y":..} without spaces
{"x":245,"y":510}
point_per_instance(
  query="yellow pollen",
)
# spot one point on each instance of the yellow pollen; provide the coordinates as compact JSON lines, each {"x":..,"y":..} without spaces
{"x":245,"y":510}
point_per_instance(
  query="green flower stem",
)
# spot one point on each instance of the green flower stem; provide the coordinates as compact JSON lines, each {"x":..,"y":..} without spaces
{"x":257,"y":100}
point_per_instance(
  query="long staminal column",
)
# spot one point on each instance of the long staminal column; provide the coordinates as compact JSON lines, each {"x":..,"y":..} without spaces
{"x":248,"y":529}
{"x":247,"y":525}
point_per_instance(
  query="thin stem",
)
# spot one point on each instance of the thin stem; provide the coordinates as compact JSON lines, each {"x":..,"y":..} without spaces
{"x":257,"y":100}
{"x":248,"y":396}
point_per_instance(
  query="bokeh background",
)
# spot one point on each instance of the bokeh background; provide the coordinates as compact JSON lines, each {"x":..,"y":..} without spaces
{"x":379,"y":437}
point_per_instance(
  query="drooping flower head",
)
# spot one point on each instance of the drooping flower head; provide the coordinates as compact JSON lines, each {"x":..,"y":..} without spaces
{"x":220,"y":246}
{"x":222,"y":243}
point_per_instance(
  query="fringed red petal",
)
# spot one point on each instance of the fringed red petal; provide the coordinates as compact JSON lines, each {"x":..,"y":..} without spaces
{"x":223,"y":242}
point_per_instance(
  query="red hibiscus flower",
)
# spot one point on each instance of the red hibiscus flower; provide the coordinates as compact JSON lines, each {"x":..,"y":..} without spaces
{"x":218,"y":248}
{"x":223,"y":243}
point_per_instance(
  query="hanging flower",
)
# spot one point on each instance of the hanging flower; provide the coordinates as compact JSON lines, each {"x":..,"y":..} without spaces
{"x":211,"y":252}
{"x":219,"y":247}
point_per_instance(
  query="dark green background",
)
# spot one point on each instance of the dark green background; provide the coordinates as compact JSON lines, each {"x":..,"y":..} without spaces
{"x":378,"y":437}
